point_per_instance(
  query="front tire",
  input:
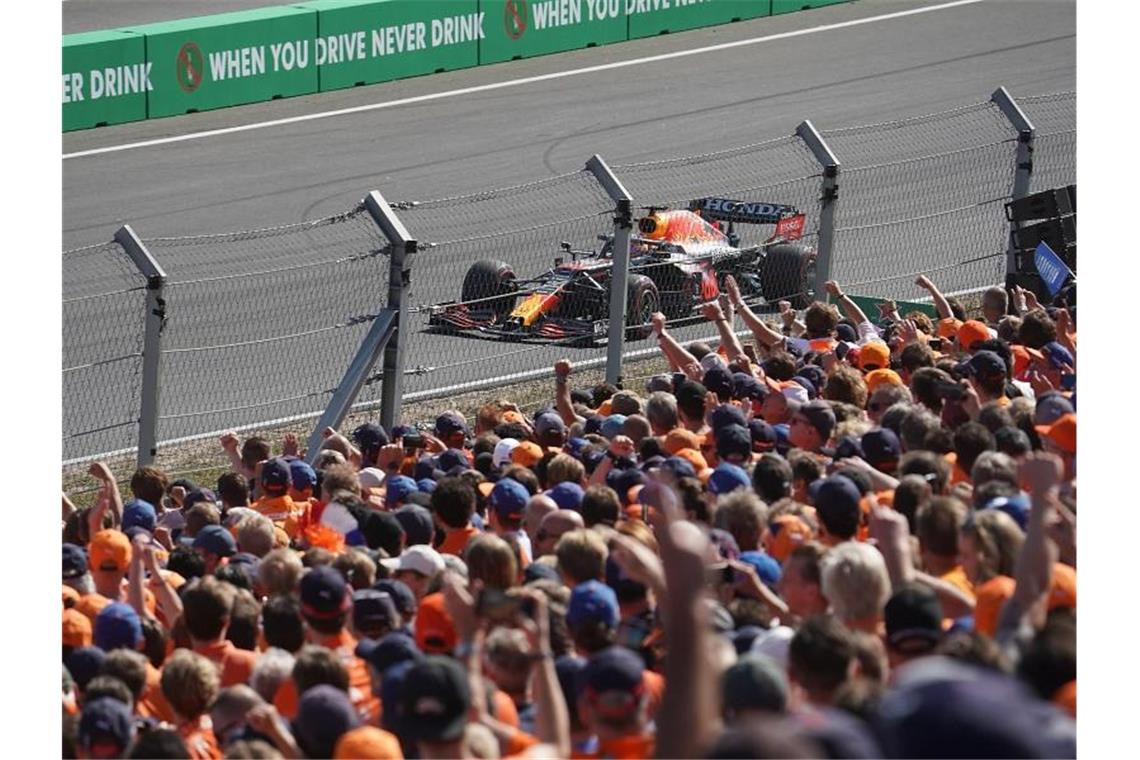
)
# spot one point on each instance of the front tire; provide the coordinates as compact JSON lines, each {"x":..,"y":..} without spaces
{"x":486,"y":279}
{"x":786,"y":274}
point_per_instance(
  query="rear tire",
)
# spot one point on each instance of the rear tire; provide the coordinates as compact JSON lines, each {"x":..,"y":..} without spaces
{"x":642,"y":300}
{"x":786,"y":274}
{"x":485,"y":279}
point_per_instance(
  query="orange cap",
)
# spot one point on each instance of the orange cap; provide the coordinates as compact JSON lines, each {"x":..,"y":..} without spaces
{"x":606,"y":409}
{"x":948,"y":328}
{"x":880,"y":377}
{"x":511,"y":416}
{"x":435,"y":630}
{"x":679,"y":438}
{"x":874,"y":354}
{"x":109,"y":549}
{"x":368,"y":741}
{"x":70,"y":597}
{"x":1066,"y":698}
{"x":972,"y":331}
{"x":91,"y":605}
{"x":785,"y":533}
{"x":693,"y":457}
{"x":1063,"y":433}
{"x":76,"y":629}
{"x":527,"y":454}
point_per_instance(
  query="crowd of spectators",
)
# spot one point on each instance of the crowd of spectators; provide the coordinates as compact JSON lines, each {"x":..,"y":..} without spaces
{"x":853,"y":537}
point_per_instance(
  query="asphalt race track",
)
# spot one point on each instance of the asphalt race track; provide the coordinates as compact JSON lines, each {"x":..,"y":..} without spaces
{"x":451,"y":146}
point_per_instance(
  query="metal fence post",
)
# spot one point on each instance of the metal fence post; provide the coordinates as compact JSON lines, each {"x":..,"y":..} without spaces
{"x":619,"y":280}
{"x":399,"y":278}
{"x":1024,"y":173}
{"x":828,"y":197}
{"x":152,"y":340}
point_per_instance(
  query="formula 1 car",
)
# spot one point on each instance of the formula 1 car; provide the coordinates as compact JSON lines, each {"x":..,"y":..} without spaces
{"x":678,"y":261}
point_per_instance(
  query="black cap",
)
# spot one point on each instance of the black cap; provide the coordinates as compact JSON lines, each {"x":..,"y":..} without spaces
{"x":913,"y":617}
{"x":370,"y":437}
{"x":74,"y":561}
{"x":435,"y":701}
{"x":401,"y":594}
{"x":392,"y":649}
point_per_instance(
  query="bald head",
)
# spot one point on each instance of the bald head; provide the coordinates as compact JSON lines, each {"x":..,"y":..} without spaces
{"x":636,"y":428}
{"x":537,"y":508}
{"x":552,"y":527}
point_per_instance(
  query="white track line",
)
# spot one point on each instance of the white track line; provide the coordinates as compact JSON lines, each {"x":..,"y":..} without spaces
{"x":516,"y":82}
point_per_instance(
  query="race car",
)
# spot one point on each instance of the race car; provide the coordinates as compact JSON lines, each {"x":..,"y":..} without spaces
{"x":678,"y":261}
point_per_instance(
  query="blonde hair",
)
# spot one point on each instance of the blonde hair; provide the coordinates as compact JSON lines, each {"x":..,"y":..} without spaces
{"x":190,"y":683}
{"x":492,"y":560}
{"x":997,"y":540}
{"x":855,"y":581}
{"x":255,"y":535}
{"x":279,"y":572}
{"x":581,"y":555}
{"x":564,"y":468}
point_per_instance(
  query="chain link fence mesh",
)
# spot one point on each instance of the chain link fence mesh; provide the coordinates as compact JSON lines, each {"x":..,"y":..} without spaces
{"x":1054,"y":117}
{"x":898,"y":216}
{"x":104,"y":305}
{"x":261,"y":324}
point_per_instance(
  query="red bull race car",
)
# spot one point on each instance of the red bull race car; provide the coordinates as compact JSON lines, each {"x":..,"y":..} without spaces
{"x":678,"y":261}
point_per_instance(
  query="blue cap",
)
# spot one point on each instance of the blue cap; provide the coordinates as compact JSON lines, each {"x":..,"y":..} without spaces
{"x":117,"y":626}
{"x":139,"y":514}
{"x":74,"y":561}
{"x":734,"y":441}
{"x":275,"y":475}
{"x":216,"y":540}
{"x":623,"y":480}
{"x":508,"y":498}
{"x":807,"y":385}
{"x":104,"y":721}
{"x":416,"y":522}
{"x":399,"y":487}
{"x":1016,"y":507}
{"x":681,"y":468}
{"x":767,"y":568}
{"x":718,"y":380}
{"x":302,"y":475}
{"x":451,"y":459}
{"x":198,"y":495}
{"x":83,"y":664}
{"x":728,"y":477}
{"x":427,"y":485}
{"x":612,"y":669}
{"x":324,"y":592}
{"x":1058,"y":355}
{"x":567,"y":495}
{"x":612,"y":426}
{"x":593,"y":424}
{"x":401,"y":594}
{"x":745,"y":386}
{"x":324,"y":714}
{"x":762,"y":434}
{"x":370,"y":436}
{"x":426,"y":467}
{"x":574,"y":446}
{"x":725,"y":415}
{"x":391,"y":691}
{"x":725,"y":543}
{"x":881,"y":447}
{"x":1051,"y":407}
{"x":392,"y":649}
{"x":593,"y":601}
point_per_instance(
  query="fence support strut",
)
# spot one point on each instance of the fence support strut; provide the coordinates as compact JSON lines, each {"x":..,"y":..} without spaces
{"x":828,"y":197}
{"x":1024,"y":173}
{"x":399,"y":279}
{"x":152,"y":340}
{"x":619,"y":280}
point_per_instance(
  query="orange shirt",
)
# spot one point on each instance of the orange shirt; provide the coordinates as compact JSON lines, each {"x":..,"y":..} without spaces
{"x":359,"y":683}
{"x":200,"y":740}
{"x":956,"y":577}
{"x":152,"y":703}
{"x":457,"y":540}
{"x":283,"y":511}
{"x":957,"y":474}
{"x":621,"y":748}
{"x":236,"y":665}
{"x":991,"y":597}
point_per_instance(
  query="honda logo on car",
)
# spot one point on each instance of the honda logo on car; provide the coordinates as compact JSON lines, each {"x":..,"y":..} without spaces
{"x":743,"y":208}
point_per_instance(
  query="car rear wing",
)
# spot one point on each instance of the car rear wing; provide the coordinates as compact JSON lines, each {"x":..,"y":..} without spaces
{"x":743,"y":212}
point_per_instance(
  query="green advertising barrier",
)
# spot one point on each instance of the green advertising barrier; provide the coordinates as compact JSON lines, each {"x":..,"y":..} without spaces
{"x":651,"y":17}
{"x":525,"y":28}
{"x":105,"y":78}
{"x":870,"y":307}
{"x":366,"y":41}
{"x":230,"y":59}
{"x":788,"y":6}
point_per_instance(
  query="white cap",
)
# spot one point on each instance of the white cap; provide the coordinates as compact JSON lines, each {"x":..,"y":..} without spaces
{"x":712,"y":359}
{"x":796,"y":393}
{"x":419,"y":558}
{"x":371,"y":477}
{"x":237,"y":514}
{"x":774,"y":643}
{"x":503,"y":449}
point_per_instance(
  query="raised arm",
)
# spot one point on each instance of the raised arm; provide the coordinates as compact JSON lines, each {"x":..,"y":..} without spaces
{"x":230,"y":444}
{"x":680,"y":360}
{"x":764,"y":335}
{"x":722,"y":318}
{"x":850,"y":308}
{"x":562,"y":393}
{"x":940,"y":302}
{"x":101,"y":472}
